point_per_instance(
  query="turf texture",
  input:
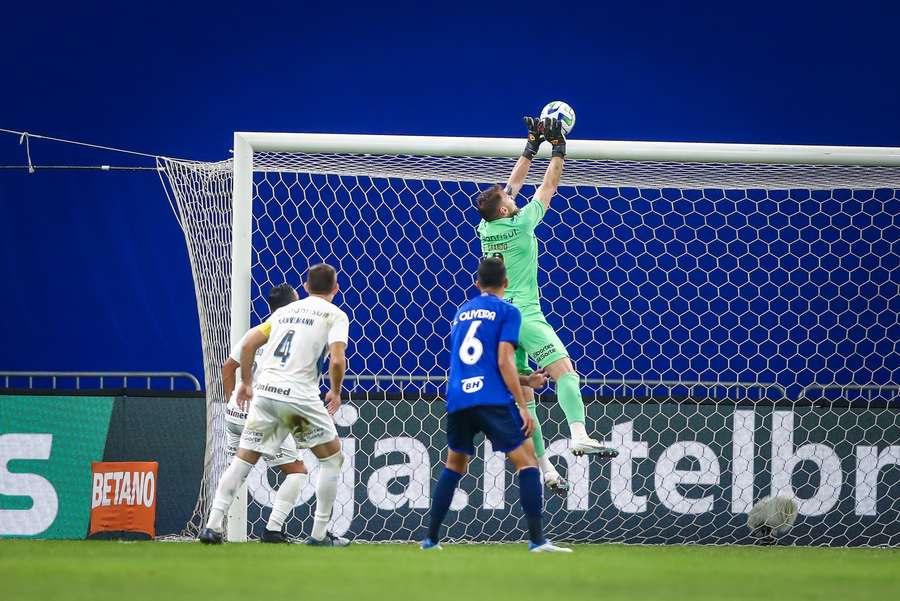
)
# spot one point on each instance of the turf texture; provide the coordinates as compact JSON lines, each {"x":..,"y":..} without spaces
{"x":100,"y":570}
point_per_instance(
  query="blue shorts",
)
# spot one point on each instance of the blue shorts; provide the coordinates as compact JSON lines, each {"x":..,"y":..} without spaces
{"x":501,"y":424}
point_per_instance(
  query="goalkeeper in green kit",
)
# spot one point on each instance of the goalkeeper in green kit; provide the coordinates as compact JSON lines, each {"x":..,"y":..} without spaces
{"x":507,"y":232}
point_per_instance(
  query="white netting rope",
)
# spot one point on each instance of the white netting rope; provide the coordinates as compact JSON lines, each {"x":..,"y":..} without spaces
{"x":713,"y":301}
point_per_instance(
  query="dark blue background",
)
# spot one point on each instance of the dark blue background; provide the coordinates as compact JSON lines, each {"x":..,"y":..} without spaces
{"x":94,"y":268}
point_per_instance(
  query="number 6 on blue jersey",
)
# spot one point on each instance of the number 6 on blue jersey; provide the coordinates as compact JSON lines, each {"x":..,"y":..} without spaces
{"x":471,"y":348}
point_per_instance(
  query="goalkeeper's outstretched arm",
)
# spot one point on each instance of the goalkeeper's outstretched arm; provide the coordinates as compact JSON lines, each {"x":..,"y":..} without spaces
{"x":517,"y":177}
{"x":520,"y":171}
{"x":553,"y":134}
{"x":547,"y":189}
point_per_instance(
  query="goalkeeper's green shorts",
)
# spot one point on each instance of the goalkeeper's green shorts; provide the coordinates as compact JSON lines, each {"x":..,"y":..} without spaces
{"x":537,"y":340}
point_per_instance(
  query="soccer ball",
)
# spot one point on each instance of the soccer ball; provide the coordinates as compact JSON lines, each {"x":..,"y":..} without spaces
{"x":562,"y":111}
{"x":772,"y":517}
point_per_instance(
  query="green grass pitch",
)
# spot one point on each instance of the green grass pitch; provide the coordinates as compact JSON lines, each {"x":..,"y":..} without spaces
{"x":99,"y":570}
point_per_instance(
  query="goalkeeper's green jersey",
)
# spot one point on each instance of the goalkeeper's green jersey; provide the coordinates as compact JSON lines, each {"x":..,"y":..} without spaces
{"x":512,"y":239}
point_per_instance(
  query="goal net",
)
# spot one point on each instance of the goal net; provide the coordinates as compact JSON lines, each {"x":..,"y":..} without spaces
{"x":734,"y":313}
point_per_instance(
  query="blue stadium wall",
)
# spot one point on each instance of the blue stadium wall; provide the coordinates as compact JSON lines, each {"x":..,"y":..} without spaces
{"x":96,"y":264}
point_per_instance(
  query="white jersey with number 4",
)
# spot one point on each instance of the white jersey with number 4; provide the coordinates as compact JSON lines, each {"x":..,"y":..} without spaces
{"x":300,"y":335}
{"x":233,"y":413}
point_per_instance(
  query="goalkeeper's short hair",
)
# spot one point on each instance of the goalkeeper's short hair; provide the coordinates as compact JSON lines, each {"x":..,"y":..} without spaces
{"x":489,"y":202}
{"x":491,"y":273}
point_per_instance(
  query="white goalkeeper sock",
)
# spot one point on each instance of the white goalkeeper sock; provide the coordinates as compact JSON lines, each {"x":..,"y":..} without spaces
{"x":285,"y":500}
{"x":546,"y":466}
{"x":228,"y":486}
{"x":326,"y":491}
{"x":577,"y":430}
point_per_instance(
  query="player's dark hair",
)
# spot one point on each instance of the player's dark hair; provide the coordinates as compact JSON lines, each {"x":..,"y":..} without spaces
{"x":491,"y":273}
{"x":321,"y":279}
{"x":281,"y":295}
{"x":489,"y":202}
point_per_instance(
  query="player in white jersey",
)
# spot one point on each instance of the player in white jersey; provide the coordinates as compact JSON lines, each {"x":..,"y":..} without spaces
{"x":286,"y":398}
{"x":287,"y":458}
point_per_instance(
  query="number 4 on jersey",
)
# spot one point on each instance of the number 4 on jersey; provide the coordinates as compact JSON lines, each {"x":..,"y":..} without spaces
{"x":283,"y":350}
{"x":471,"y":348}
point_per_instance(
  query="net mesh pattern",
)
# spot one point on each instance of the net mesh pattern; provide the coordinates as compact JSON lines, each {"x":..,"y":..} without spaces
{"x":202,"y":194}
{"x":739,"y":323}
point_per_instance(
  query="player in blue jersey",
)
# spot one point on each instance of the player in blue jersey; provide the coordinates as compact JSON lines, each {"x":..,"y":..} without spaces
{"x":484,"y":394}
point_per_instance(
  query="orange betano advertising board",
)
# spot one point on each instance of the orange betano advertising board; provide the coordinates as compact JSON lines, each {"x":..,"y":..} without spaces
{"x":123,"y":497}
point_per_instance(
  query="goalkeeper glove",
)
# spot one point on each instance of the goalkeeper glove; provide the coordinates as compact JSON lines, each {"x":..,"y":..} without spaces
{"x":535,"y":137}
{"x":553,"y":134}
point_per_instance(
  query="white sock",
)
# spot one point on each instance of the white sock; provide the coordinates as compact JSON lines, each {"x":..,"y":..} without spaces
{"x":577,"y":430}
{"x":227,"y":489}
{"x":326,"y":491}
{"x":285,"y":499}
{"x":545,"y":465}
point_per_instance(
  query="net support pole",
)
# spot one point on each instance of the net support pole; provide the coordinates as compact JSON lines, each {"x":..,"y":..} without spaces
{"x":241,"y":231}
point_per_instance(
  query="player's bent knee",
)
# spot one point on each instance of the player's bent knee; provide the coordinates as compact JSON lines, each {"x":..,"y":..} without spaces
{"x":524,"y":456}
{"x":336,"y":460}
{"x":457,"y":462}
{"x":560,"y":368}
{"x":523,"y":462}
{"x":327,"y":449}
{"x":294,"y":467}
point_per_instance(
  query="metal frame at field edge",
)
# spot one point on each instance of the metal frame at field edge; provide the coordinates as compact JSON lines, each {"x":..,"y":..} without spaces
{"x":100,"y":377}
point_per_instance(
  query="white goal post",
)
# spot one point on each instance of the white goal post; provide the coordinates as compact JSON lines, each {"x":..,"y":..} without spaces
{"x":729,"y":307}
{"x":247,"y":143}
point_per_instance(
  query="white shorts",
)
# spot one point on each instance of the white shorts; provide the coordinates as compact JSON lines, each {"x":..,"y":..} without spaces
{"x":286,"y":453}
{"x":270,"y":421}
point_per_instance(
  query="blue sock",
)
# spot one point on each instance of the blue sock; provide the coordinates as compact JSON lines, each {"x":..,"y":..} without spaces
{"x":530,"y":495}
{"x":440,"y":501}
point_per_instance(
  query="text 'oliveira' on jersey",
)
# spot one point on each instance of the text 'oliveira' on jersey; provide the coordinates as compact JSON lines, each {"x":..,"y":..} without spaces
{"x":480,"y":325}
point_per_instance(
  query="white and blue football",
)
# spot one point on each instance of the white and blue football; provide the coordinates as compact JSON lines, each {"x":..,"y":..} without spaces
{"x":562,"y":111}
